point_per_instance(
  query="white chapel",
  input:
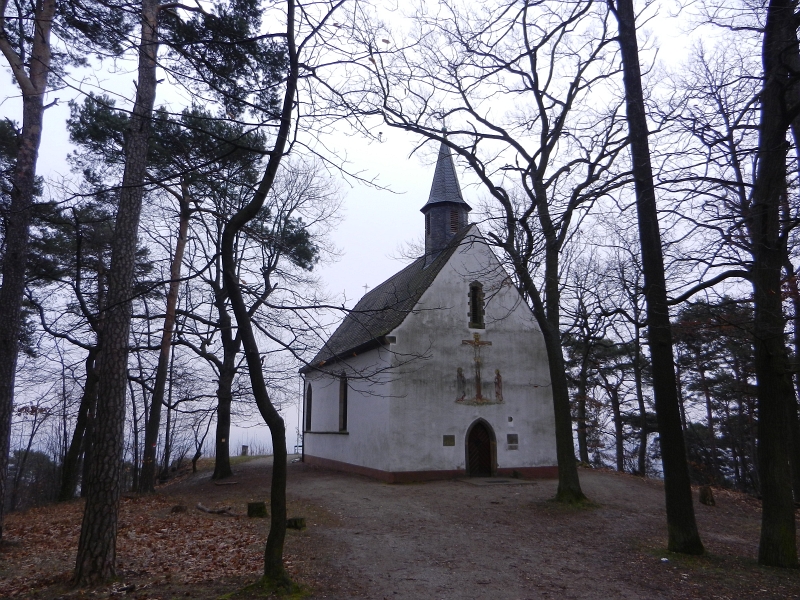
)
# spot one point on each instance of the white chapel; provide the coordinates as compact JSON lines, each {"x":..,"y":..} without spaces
{"x":438,"y":372}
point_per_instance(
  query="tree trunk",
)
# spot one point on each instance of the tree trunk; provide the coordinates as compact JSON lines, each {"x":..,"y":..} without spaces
{"x":712,"y":437}
{"x":641,"y":458}
{"x":22,"y":460}
{"x":222,"y":462}
{"x":148,"y":476}
{"x":681,"y":401}
{"x":794,"y":417}
{"x":96,"y":558}
{"x":230,"y":348}
{"x":18,"y":217}
{"x":778,"y":545}
{"x":752,"y":428}
{"x":613,"y":394}
{"x":88,"y":445}
{"x":72,"y":458}
{"x":682,"y":528}
{"x":274,"y":571}
{"x":637,"y":377}
{"x":569,"y":485}
{"x":164,"y":474}
{"x":583,"y":446}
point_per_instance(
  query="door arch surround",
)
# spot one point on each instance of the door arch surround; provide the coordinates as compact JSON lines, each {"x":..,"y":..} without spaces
{"x":481,"y":449}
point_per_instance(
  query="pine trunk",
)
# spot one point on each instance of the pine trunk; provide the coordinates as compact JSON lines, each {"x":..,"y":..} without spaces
{"x":641,"y":462}
{"x":18,"y":218}
{"x":681,"y":524}
{"x":712,"y":437}
{"x":96,"y":559}
{"x":72,"y":458}
{"x":148,"y":474}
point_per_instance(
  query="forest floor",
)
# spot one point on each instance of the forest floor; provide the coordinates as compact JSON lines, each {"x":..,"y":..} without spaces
{"x":365,"y":539}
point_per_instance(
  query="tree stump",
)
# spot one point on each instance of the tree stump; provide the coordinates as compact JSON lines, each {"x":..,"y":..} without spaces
{"x":257,"y":510}
{"x":707,"y":496}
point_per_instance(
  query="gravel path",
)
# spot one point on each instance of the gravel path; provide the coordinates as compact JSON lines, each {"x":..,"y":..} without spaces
{"x":490,"y":539}
{"x":452,"y":539}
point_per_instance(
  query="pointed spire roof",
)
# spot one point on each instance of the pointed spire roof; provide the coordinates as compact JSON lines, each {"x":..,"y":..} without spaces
{"x":445,"y":186}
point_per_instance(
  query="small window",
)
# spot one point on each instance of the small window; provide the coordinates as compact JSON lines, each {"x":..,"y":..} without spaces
{"x":448,"y":440}
{"x":513,"y":441}
{"x":428,"y":224}
{"x":343,"y":403}
{"x":453,"y":220}
{"x":308,"y":408}
{"x":476,"y":310}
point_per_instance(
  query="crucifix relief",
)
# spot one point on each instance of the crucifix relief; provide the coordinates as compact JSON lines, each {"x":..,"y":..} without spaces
{"x":476,"y":344}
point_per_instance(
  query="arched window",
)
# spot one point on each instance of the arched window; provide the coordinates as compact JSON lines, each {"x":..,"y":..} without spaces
{"x":476,"y":310}
{"x":343,"y":402}
{"x":308,"y":408}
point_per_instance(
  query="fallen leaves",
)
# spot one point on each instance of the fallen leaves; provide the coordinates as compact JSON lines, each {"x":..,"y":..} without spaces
{"x":188,"y":547}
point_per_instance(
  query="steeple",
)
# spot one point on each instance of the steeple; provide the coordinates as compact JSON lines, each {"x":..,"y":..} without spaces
{"x":445,"y":211}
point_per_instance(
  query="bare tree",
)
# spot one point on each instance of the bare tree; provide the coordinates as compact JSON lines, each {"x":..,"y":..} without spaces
{"x":761,"y":224}
{"x":275,"y":253}
{"x":624,"y":285}
{"x":306,"y":26}
{"x":778,"y":545}
{"x":583,"y":337}
{"x":543,"y":166}
{"x":681,"y":524}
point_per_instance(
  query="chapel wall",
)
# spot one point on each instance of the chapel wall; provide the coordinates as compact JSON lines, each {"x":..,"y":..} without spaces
{"x":432,"y":401}
{"x":369,"y":384}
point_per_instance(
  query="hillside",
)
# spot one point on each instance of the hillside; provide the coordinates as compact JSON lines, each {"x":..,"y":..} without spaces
{"x":449,"y":539}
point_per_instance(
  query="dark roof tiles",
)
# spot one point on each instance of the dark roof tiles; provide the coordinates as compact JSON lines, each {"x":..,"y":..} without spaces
{"x":384,"y":308}
{"x":445,"y":186}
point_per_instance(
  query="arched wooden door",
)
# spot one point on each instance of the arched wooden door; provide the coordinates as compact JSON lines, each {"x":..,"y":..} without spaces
{"x":480,"y":450}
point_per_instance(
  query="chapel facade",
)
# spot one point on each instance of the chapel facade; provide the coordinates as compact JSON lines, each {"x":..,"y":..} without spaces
{"x":438,"y":372}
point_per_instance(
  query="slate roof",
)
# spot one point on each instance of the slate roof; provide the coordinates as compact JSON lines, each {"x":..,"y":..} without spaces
{"x":383,"y":309}
{"x":445,"y":186}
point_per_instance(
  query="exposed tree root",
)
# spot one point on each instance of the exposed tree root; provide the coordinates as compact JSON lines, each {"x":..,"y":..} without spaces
{"x":270,"y":587}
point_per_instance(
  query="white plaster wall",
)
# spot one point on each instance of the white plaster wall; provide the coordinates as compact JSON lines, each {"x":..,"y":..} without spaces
{"x":424,"y":407}
{"x":368,"y":400}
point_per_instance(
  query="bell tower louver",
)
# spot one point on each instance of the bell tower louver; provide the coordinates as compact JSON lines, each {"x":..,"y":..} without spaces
{"x":445,"y":211}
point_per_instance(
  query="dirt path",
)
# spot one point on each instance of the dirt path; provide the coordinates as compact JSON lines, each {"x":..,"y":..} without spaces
{"x":455,"y":539}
